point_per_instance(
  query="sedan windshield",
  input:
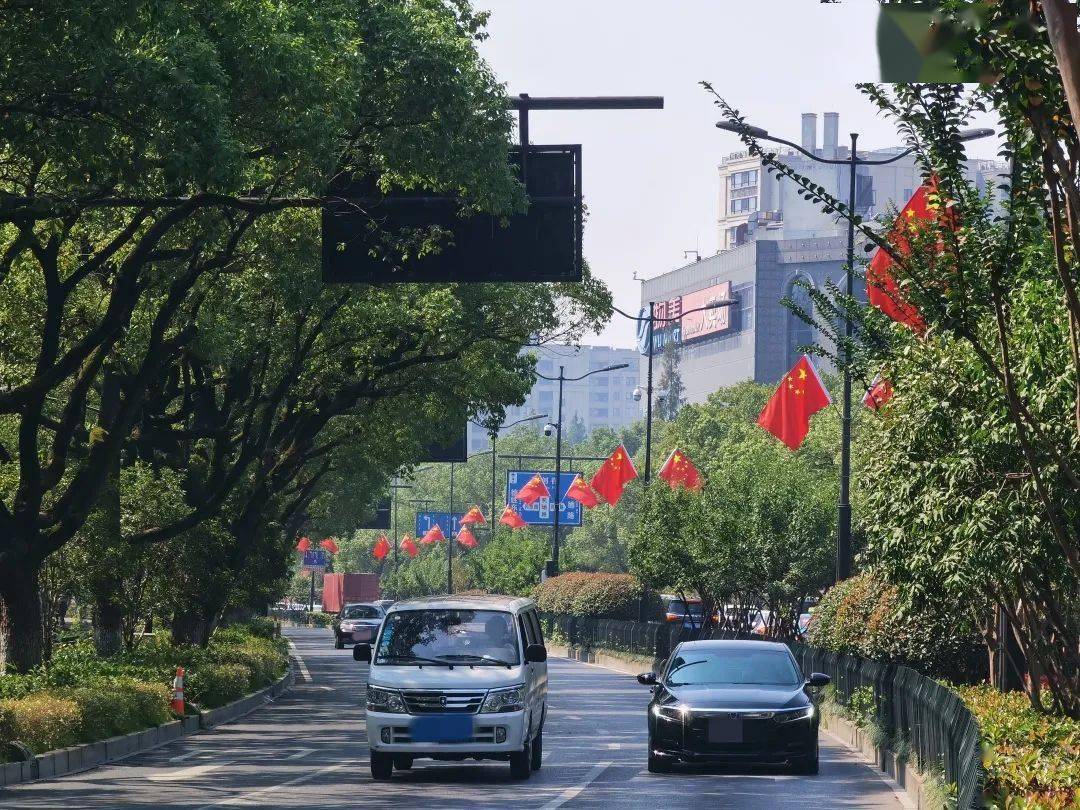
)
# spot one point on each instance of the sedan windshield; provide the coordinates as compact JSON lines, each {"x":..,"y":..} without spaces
{"x":470,"y":637}
{"x":732,"y":666}
{"x":361,"y":612}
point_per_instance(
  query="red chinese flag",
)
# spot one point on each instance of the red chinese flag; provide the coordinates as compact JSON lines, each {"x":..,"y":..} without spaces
{"x":881,"y":288}
{"x":581,"y":493}
{"x":466,"y":538}
{"x":798,"y":397}
{"x":433,"y":535}
{"x":679,"y":470}
{"x":878,"y":394}
{"x":474,"y":515}
{"x":613,"y":475}
{"x":382,"y":548}
{"x":303,"y":545}
{"x":329,"y":545}
{"x":409,"y":545}
{"x":512,"y":518}
{"x":533,"y":491}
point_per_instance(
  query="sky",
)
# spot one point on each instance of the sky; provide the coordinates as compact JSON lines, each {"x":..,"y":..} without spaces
{"x":649,"y":176}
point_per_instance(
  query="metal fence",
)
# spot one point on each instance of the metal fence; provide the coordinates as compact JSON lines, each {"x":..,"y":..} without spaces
{"x":936,"y":726}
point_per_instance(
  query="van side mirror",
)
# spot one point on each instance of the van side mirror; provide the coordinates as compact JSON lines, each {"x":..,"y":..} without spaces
{"x":361,"y":652}
{"x":647,"y":679}
{"x":535,"y":654}
{"x":818,"y":680}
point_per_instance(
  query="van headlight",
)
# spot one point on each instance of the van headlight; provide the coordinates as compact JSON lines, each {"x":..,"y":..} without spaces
{"x":385,"y":700}
{"x":511,"y":699}
{"x":805,"y":713}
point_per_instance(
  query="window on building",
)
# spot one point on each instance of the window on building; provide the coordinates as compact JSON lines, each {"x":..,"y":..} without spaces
{"x":616,"y":413}
{"x":599,"y":396}
{"x":799,"y":332}
{"x":600,"y":381}
{"x":744,"y":179}
{"x":744,"y":205}
{"x":545,"y":366}
{"x":630,"y":395}
{"x":598,"y":413}
{"x":546,"y":397}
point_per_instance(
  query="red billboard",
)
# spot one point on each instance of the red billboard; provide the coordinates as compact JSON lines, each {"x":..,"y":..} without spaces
{"x":696,"y":324}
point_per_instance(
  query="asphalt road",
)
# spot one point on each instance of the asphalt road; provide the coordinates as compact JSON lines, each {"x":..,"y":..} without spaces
{"x":308,"y":750}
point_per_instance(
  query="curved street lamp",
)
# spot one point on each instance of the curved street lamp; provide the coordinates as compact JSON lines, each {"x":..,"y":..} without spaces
{"x":843,"y":529}
{"x":553,"y":566}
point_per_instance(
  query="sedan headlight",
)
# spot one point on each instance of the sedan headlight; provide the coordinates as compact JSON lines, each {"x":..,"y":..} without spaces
{"x":348,"y":626}
{"x":805,"y":713}
{"x":504,"y":700}
{"x":673,"y":712}
{"x":385,"y":700}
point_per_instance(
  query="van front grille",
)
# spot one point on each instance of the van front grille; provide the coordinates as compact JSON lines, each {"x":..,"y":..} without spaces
{"x":437,"y":701}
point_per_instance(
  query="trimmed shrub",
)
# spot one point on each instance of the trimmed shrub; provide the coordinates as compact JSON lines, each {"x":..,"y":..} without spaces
{"x":867,"y":617}
{"x":42,"y":721}
{"x":119,"y":706}
{"x":598,"y":595}
{"x":215,"y":685}
{"x":259,"y":655}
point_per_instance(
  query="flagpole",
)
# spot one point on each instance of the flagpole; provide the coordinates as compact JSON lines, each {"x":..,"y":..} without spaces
{"x":558,"y":475}
{"x":450,"y":539}
{"x":843,"y":507}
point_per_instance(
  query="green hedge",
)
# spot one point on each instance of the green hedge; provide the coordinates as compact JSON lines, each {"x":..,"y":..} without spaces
{"x":599,"y":595}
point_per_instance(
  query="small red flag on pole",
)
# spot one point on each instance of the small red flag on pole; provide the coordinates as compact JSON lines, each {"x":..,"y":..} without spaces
{"x":382,"y":547}
{"x":433,"y":535}
{"x":474,"y":515}
{"x":329,"y":545}
{"x":679,"y":470}
{"x":613,"y":476}
{"x":533,"y":491}
{"x":880,"y":392}
{"x":303,"y":545}
{"x":409,"y":546}
{"x":512,"y":518}
{"x":798,"y":397}
{"x":581,"y":493}
{"x":466,"y":538}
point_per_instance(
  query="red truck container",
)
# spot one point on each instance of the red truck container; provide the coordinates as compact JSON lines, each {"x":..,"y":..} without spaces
{"x":341,"y":589}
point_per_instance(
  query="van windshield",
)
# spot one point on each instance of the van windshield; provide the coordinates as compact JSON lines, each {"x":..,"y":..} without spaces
{"x":469,"y":637}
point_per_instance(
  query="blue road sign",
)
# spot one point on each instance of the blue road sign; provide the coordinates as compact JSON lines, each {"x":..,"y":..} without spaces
{"x":315,"y":560}
{"x":450,"y":524}
{"x":541,"y":512}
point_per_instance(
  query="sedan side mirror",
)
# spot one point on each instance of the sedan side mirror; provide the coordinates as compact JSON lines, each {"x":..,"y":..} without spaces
{"x":361,"y":652}
{"x":535,"y":654}
{"x":818,"y":680}
{"x":647,"y":679}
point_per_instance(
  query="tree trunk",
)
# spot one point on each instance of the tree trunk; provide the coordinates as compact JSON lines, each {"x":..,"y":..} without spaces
{"x":21,"y":639}
{"x":108,"y":625}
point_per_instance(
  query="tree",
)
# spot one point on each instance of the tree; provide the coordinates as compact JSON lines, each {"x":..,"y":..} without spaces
{"x":671,"y":388}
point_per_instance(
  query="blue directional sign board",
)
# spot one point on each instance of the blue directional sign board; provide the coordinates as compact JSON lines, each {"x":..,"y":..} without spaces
{"x":315,"y":560}
{"x":541,"y":512}
{"x":450,"y":524}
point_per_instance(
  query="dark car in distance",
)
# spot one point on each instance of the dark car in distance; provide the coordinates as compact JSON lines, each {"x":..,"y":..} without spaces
{"x":733,"y":702}
{"x":358,"y":623}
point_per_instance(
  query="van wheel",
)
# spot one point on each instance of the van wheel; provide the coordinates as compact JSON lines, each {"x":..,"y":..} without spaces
{"x":521,"y":763}
{"x":403,"y":762}
{"x":382,"y":766}
{"x":537,"y":758}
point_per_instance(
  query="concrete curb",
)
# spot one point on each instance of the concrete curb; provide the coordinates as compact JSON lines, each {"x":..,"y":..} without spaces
{"x":84,"y":757}
{"x":901,"y":775}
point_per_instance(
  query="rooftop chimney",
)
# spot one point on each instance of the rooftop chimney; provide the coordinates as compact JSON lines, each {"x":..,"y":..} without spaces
{"x":809,"y":132}
{"x":831,"y":144}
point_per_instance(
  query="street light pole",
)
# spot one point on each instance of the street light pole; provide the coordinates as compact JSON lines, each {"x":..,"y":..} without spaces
{"x":450,"y":539}
{"x":557,"y":495}
{"x":648,"y":397}
{"x":853,"y":161}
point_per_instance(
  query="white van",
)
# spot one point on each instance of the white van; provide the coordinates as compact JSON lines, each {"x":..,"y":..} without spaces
{"x":456,"y":678}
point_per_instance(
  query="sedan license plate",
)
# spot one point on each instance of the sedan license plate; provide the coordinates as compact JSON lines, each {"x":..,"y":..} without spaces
{"x":725,"y":730}
{"x":442,"y":728}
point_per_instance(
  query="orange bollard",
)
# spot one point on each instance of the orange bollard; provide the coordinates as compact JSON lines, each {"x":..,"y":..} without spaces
{"x":178,"y":692}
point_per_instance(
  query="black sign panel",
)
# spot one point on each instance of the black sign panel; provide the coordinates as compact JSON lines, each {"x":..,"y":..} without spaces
{"x":381,"y":520}
{"x":543,"y":244}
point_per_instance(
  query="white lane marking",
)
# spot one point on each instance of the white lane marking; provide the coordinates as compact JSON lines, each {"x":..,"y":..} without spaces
{"x":614,"y":746}
{"x":573,"y":792}
{"x":182,"y":757}
{"x":303,"y":752}
{"x":300,"y":662}
{"x":187,"y":773}
{"x":240,"y":800}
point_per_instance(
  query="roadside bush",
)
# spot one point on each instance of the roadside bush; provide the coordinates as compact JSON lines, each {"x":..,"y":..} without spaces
{"x":600,"y":595}
{"x":43,"y":721}
{"x":867,"y":617}
{"x":1034,"y":758}
{"x":215,"y":685}
{"x":261,"y":656}
{"x":119,"y":706}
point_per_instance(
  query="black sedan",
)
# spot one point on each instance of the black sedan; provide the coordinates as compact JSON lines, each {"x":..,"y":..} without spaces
{"x":733,"y":701}
{"x":357,"y":623}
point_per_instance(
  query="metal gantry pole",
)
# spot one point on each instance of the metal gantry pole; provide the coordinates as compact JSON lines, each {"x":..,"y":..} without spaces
{"x":648,"y":401}
{"x":843,"y":509}
{"x":450,"y":539}
{"x":556,"y":495}
{"x":491,"y":514}
{"x":393,"y":530}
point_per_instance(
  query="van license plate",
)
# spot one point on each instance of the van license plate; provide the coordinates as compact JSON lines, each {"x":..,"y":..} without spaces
{"x":442,"y":728}
{"x":725,"y":730}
